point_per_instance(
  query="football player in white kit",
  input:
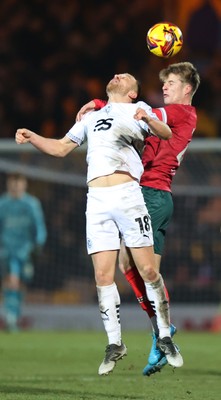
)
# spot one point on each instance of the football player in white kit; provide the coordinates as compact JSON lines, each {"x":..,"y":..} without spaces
{"x":115,"y":205}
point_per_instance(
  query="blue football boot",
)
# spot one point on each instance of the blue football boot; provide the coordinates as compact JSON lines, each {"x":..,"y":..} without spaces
{"x":157,"y":359}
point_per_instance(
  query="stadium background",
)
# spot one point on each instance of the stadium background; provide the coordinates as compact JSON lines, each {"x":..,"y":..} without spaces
{"x":54,"y":57}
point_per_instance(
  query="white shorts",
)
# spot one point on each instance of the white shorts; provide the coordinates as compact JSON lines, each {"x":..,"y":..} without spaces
{"x":117,"y":212}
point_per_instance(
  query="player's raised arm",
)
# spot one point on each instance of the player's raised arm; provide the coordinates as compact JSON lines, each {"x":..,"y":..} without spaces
{"x":95,"y":104}
{"x":90,"y":106}
{"x":53,"y":147}
{"x":157,"y":127}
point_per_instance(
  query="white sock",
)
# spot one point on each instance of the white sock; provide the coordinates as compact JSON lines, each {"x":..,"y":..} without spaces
{"x":109,"y":305}
{"x":156,"y":295}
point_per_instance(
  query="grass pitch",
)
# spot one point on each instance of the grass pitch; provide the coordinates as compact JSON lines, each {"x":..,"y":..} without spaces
{"x":63,"y":366}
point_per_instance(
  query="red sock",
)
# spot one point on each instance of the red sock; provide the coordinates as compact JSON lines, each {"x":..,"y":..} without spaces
{"x":137,"y":284}
{"x":166,"y":293}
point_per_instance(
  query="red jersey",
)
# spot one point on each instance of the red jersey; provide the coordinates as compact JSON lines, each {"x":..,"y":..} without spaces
{"x":162,"y":158}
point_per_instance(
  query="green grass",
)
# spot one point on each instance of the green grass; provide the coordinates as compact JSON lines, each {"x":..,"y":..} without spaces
{"x":63,"y":365}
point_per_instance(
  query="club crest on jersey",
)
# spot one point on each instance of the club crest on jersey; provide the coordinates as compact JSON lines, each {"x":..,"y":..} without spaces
{"x":89,"y":243}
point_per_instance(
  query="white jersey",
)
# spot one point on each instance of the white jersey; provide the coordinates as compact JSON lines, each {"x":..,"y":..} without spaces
{"x":112,"y":133}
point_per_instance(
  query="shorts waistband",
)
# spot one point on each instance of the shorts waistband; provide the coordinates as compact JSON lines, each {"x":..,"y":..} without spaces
{"x":113,"y":188}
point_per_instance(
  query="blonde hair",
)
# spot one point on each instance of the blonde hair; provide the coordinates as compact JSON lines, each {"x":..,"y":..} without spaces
{"x":187,"y":72}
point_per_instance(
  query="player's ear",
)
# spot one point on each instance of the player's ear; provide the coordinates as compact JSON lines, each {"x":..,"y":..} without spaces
{"x":188,"y":89}
{"x":132,"y":94}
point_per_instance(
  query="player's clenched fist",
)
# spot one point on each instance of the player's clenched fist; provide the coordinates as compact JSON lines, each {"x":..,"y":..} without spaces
{"x":23,"y":135}
{"x":156,"y":126}
{"x":141,"y":114}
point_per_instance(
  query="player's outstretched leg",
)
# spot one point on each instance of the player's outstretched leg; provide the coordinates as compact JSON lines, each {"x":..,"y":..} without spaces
{"x":113,"y":354}
{"x":157,"y":359}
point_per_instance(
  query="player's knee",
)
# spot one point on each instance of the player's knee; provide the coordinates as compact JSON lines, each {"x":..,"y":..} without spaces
{"x":149,"y":273}
{"x":103,"y":278}
{"x":124,"y":267}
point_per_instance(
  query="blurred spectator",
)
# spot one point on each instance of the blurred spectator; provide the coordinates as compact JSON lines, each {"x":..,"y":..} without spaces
{"x":203,"y":43}
{"x":22,"y":233}
{"x":52,"y":51}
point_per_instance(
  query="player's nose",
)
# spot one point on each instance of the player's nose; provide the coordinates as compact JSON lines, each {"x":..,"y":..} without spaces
{"x":164,"y":87}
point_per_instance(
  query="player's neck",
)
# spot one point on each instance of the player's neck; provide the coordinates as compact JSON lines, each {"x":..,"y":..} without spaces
{"x":118,"y":98}
{"x":186,"y":102}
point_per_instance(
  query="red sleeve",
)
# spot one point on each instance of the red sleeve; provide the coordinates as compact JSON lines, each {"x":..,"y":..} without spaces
{"x":158,"y":113}
{"x":99,"y":104}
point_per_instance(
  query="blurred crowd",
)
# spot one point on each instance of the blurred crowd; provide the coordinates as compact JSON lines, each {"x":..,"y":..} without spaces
{"x":191,"y":260}
{"x":56,"y":55}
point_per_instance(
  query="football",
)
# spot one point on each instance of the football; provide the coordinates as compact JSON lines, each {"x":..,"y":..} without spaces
{"x":164,"y":39}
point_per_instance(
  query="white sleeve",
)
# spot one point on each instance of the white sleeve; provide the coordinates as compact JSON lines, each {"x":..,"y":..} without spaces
{"x":77,"y":133}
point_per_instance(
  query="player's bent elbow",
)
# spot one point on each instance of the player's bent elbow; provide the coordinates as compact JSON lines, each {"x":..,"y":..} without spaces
{"x":169,"y":136}
{"x":61,"y":153}
{"x":166,"y":134}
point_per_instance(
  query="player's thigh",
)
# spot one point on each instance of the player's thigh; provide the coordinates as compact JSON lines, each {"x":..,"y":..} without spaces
{"x":145,"y":262}
{"x":157,"y":261}
{"x":101,"y":230}
{"x":133,"y":219}
{"x":125,"y":259}
{"x":104,"y":263}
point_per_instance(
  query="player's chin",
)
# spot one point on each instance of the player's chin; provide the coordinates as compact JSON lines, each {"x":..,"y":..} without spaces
{"x":166,"y":100}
